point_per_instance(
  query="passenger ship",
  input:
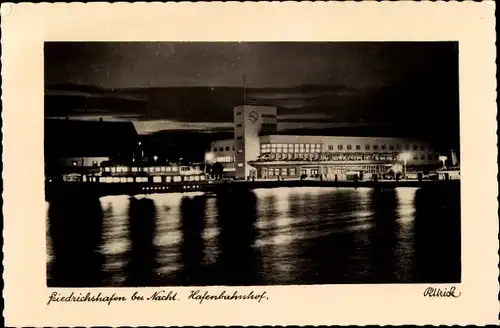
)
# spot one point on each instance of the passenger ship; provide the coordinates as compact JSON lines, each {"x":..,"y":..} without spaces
{"x":118,"y":178}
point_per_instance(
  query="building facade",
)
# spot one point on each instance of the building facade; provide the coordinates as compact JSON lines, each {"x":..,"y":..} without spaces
{"x":257,"y":151}
{"x":337,"y":157}
{"x":223,"y":151}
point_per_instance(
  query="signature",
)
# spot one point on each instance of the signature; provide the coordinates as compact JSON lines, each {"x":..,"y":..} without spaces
{"x":442,"y":292}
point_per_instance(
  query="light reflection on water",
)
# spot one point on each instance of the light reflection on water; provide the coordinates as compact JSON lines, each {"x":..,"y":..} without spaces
{"x":288,"y":236}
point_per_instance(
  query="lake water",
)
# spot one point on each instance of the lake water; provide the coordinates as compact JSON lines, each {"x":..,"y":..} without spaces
{"x":259,"y":237}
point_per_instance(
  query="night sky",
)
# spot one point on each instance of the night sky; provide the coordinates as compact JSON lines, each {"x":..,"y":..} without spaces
{"x":399,"y":84}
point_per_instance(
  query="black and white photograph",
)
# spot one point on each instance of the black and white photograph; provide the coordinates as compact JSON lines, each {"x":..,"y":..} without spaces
{"x":252,"y":163}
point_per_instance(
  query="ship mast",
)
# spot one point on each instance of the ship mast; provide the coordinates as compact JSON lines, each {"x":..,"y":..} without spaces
{"x":244,"y":88}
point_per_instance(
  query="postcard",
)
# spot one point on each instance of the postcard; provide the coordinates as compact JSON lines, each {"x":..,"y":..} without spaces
{"x":211,"y":164}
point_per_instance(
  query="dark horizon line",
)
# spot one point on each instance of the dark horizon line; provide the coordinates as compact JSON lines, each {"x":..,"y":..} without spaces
{"x":307,"y":87}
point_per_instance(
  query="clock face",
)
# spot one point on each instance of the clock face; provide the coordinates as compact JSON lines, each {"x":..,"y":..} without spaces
{"x":253,"y":116}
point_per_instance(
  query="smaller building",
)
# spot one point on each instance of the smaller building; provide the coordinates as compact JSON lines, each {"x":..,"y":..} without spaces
{"x":223,"y":151}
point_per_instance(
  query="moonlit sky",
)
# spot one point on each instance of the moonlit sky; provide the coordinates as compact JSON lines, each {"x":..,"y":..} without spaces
{"x":348,"y":83}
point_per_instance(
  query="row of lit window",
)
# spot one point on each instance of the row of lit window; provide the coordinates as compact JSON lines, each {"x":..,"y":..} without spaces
{"x":290,"y":148}
{"x":282,"y":171}
{"x":225,"y":159}
{"x":376,"y":147}
{"x":221,"y":149}
{"x":156,"y":179}
{"x":316,"y":156}
{"x":125,"y":169}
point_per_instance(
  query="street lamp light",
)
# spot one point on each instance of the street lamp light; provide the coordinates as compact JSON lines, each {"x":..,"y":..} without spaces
{"x":155,"y":158}
{"x":443,"y":160}
{"x":405,"y":157}
{"x":209,"y":157}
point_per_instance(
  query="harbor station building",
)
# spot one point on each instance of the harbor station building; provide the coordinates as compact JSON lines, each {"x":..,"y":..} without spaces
{"x":258,"y":151}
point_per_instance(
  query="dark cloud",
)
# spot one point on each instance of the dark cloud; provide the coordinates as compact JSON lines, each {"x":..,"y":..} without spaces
{"x":413,"y":85}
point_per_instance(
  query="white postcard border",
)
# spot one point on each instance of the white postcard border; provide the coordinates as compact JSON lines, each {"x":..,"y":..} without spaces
{"x":26,"y":26}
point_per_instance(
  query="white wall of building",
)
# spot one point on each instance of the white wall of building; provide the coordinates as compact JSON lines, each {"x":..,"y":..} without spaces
{"x":223,"y":151}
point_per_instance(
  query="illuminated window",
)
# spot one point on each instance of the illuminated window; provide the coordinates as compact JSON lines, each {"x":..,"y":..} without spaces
{"x":113,"y":169}
{"x":202,"y":177}
{"x":271,"y":171}
{"x":240,"y":151}
{"x":156,"y":179}
{"x":134,"y":169}
{"x":130,"y":179}
{"x":116,"y":179}
{"x":284,"y":171}
{"x":196,"y":178}
{"x":157,"y":169}
{"x":177,"y":178}
{"x":240,"y":164}
{"x":293,"y":171}
{"x":175,"y":169}
{"x":168,"y":179}
{"x":358,"y":147}
{"x":107,"y":169}
{"x":138,"y":179}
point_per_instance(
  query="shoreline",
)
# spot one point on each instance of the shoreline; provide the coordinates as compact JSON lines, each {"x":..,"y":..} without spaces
{"x":109,"y":189}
